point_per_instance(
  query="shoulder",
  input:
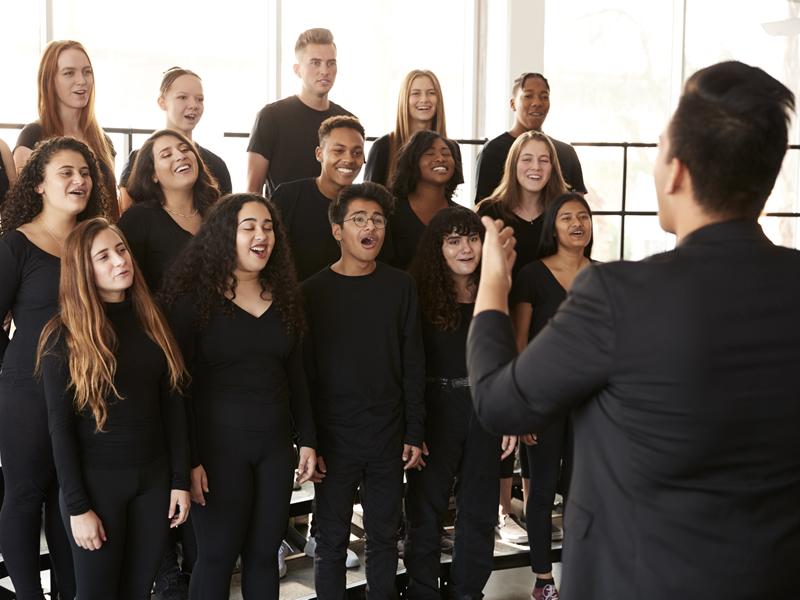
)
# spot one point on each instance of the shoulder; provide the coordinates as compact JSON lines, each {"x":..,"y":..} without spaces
{"x":30,"y":135}
{"x":207,"y":155}
{"x":14,"y":245}
{"x":498,"y":145}
{"x":381,"y":144}
{"x":388,"y":274}
{"x":563,"y":149}
{"x":489,"y":208}
{"x":318,"y":280}
{"x":335,"y":109}
{"x":139,"y":214}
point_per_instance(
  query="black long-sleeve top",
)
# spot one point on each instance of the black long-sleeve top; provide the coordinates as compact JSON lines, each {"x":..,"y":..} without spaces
{"x":29,"y":289}
{"x":155,"y":239}
{"x":445,"y":351}
{"x":365,"y":361}
{"x":148,"y":422}
{"x":404,"y":233}
{"x":247,"y":373}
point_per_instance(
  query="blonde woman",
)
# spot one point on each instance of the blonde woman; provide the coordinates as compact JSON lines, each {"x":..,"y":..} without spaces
{"x":111,"y":372}
{"x":420,"y":106}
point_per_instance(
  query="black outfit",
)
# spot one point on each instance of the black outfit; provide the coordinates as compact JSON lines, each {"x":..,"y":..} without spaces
{"x":286,"y":133}
{"x":459,"y":448}
{"x":248,"y":389}
{"x":492,"y":161}
{"x":366,"y":375}
{"x":124,"y":473}
{"x":155,"y":239}
{"x":215,"y":165}
{"x":4,"y":185}
{"x":406,"y":230}
{"x":687,"y":458}
{"x":536,"y":285}
{"x":29,"y":290}
{"x":304,"y":210}
{"x":377,"y":168}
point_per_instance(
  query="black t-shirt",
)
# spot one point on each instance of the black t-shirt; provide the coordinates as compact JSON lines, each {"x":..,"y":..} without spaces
{"x":445,"y":351}
{"x":29,"y":290}
{"x":247,"y":373}
{"x":286,"y":133}
{"x":406,"y":231}
{"x":148,"y":422}
{"x":365,"y":361}
{"x":492,"y":161}
{"x":215,"y":165}
{"x":155,"y":240}
{"x":536,"y":285}
{"x":527,"y":233}
{"x":304,"y":211}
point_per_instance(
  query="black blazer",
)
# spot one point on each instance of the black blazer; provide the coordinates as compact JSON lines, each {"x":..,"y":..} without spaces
{"x":683,"y":372}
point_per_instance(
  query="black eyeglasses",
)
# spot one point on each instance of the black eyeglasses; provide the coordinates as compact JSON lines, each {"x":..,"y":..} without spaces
{"x":360,"y":220}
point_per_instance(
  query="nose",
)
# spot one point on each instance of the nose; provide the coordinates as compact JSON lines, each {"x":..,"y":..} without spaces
{"x":117,"y":259}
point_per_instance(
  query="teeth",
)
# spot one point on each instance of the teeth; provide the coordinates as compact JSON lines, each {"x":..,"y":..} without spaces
{"x":258,"y":248}
{"x":344,"y":170}
{"x":440,"y":169}
{"x":182,"y":169}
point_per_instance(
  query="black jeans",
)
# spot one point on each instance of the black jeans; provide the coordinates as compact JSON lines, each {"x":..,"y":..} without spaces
{"x":459,"y":449}
{"x":381,"y":482}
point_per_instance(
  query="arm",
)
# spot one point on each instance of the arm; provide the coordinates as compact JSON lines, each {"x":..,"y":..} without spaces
{"x":521,"y":315}
{"x":413,"y":379}
{"x":377,"y":167}
{"x":8,"y":163}
{"x":173,"y":415}
{"x":21,"y":155}
{"x":10,"y":279}
{"x":257,"y":171}
{"x":301,"y":413}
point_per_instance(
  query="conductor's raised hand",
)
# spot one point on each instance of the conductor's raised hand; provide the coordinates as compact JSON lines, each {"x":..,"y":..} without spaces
{"x":497,"y":259}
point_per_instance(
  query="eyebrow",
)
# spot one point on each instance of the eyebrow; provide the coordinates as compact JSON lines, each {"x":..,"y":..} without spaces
{"x":254,"y":220}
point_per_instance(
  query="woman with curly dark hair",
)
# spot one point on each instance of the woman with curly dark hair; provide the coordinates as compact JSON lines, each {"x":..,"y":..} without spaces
{"x":235,"y":306}
{"x":447,"y":270}
{"x":427,"y":173}
{"x":171,"y":190}
{"x":55,"y":191}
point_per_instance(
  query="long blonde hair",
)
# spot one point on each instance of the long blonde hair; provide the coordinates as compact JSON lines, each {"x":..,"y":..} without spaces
{"x":402,"y":129}
{"x":89,"y":336}
{"x":508,"y":193}
{"x":50,"y":117}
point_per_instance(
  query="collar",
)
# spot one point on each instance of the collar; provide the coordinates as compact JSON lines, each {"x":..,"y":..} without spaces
{"x":726,"y":231}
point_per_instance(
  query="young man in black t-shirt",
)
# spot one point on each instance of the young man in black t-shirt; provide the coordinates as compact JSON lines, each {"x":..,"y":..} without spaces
{"x":304,"y":203}
{"x":366,"y":372}
{"x":284,"y":135}
{"x":530,"y":101}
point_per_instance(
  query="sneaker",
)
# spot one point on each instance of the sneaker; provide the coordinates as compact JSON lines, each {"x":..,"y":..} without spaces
{"x":172,"y":587}
{"x":548,"y":592}
{"x":556,"y":533}
{"x":350,"y":562}
{"x":284,"y":551}
{"x":446,"y":541}
{"x":510,"y":531}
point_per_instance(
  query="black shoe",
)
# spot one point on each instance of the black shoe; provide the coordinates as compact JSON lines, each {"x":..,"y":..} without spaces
{"x":175,"y":586}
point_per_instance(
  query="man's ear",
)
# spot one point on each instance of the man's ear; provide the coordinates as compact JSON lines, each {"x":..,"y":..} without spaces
{"x":336,"y":230}
{"x":318,"y":154}
{"x":678,"y":176}
{"x":513,"y":105}
{"x":296,"y":69}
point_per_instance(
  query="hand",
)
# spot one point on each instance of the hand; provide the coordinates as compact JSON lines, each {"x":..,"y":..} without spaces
{"x":507,"y":445}
{"x":425,"y":452}
{"x":306,"y":465}
{"x":179,"y":504}
{"x":199,"y":485}
{"x":87,"y":529}
{"x":530,"y":439}
{"x":320,"y":471}
{"x":411,"y":456}
{"x":498,"y":253}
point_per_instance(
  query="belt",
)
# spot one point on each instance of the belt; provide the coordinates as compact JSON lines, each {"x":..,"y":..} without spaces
{"x":458,"y":382}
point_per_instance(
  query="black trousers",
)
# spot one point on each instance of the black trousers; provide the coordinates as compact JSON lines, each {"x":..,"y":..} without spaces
{"x":132,"y":504}
{"x":381,"y":481}
{"x":250,"y":481}
{"x":30,"y":484}
{"x":544,"y":464}
{"x":459,"y":449}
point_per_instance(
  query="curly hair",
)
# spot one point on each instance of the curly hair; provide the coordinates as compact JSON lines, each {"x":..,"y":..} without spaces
{"x":435,"y":284}
{"x":23,"y":203}
{"x":144,"y":189}
{"x":205,"y":269}
{"x":406,"y":171}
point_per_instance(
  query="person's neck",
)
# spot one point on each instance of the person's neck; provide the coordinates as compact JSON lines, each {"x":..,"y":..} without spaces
{"x":530,"y":205}
{"x":518,"y":129}
{"x":57,"y":223}
{"x":71,"y":120}
{"x":173,"y":127}
{"x":415,"y":126}
{"x":350,"y":266}
{"x":314,"y":101}
{"x":329,"y":189}
{"x":181,"y":201}
{"x":692,"y":220}
{"x":465,"y":288}
{"x":428,"y":194}
{"x":246,"y":283}
{"x":568,"y":259}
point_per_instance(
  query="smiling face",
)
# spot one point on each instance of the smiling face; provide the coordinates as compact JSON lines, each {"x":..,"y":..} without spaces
{"x":317,"y":68}
{"x":74,"y":78}
{"x":422,"y":100}
{"x":436,"y":166}
{"x":67,"y":183}
{"x":113,"y":269}
{"x":534,"y":166}
{"x":183,"y":103}
{"x":573,"y":226}
{"x":531,"y":104}
{"x":175,"y":163}
{"x":361,"y":244}
{"x":341,"y":156}
{"x":255,"y":238}
{"x":462,"y":253}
